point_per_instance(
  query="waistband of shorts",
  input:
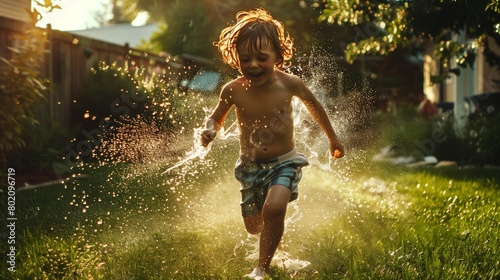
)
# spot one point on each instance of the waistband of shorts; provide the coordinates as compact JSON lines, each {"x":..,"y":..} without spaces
{"x":268,"y":163}
{"x":281,"y":158}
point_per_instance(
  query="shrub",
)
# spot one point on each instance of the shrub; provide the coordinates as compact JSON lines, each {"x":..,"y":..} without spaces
{"x":141,"y":112}
{"x":482,"y":140}
{"x":412,"y":135}
{"x":21,"y":88}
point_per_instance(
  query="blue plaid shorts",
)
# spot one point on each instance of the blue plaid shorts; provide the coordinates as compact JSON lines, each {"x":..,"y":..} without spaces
{"x":256,"y":177}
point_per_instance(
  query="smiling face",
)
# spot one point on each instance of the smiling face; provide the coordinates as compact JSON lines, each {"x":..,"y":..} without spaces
{"x":257,"y":64}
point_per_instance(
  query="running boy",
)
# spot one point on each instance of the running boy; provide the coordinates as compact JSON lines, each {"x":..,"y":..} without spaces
{"x":269,"y":167}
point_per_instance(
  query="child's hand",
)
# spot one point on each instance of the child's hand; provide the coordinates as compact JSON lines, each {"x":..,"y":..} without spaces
{"x":336,"y":149}
{"x":207,"y":136}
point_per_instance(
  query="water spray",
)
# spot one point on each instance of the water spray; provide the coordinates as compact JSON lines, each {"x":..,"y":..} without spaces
{"x":200,"y":152}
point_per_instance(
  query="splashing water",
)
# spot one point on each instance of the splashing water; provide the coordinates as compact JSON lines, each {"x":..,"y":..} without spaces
{"x":281,"y":259}
{"x":349,"y":106}
{"x":197,"y":151}
{"x":350,"y":112}
{"x":310,"y":140}
{"x":149,"y":203}
{"x":200,"y":152}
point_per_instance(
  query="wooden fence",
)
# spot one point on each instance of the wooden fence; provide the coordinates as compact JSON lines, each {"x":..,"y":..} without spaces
{"x":68,"y":59}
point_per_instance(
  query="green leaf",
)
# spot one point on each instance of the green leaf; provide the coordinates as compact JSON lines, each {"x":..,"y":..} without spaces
{"x":455,"y":71}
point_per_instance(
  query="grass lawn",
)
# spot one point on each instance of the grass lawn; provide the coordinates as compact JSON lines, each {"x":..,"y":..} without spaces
{"x":360,"y":220}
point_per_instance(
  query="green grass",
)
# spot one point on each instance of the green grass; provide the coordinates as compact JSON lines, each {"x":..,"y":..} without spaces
{"x":126,"y":221}
{"x":444,"y":225}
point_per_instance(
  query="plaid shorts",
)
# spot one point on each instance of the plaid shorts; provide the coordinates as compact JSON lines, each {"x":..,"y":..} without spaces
{"x":256,"y":178}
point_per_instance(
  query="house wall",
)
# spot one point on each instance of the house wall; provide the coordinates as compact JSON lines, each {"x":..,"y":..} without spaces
{"x":431,"y":68}
{"x":9,"y":27}
{"x":15,"y":9}
{"x":486,"y":74}
{"x":481,"y":78}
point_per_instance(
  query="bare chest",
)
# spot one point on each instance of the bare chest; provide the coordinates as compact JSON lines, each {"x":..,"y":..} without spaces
{"x":260,"y":106}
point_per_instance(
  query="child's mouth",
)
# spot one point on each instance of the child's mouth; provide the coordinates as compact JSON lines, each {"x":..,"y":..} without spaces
{"x":255,"y":75}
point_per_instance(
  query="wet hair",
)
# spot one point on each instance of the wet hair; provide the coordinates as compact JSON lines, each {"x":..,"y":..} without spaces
{"x":254,"y":28}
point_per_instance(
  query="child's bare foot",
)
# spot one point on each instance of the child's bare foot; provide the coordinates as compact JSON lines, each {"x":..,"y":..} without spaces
{"x":257,"y":274}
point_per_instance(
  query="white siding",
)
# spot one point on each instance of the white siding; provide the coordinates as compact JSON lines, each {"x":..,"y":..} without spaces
{"x":15,"y":9}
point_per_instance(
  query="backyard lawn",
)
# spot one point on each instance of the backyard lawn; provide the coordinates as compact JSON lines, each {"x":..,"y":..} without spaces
{"x":356,"y":220}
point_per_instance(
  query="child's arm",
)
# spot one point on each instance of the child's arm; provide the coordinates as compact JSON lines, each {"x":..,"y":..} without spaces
{"x":216,"y":120}
{"x":320,"y":116}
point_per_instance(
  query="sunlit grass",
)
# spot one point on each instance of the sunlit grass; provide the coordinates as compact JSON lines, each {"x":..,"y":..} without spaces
{"x":134,"y":218}
{"x":450,"y":230}
{"x":385,"y":222}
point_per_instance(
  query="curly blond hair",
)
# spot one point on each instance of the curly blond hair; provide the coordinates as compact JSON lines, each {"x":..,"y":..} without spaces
{"x":255,"y":28}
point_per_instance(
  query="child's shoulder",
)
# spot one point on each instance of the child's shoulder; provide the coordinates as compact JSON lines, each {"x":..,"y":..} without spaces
{"x":232,"y":88}
{"x":236,"y":82}
{"x":234,"y":85}
{"x":289,"y":77}
{"x":240,"y":84}
{"x":291,"y":81}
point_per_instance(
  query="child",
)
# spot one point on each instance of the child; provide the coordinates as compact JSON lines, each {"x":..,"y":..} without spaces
{"x":269,"y":167}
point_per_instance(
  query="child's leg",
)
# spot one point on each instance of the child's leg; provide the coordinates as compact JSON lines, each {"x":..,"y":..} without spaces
{"x":253,"y":224}
{"x":273,"y":216}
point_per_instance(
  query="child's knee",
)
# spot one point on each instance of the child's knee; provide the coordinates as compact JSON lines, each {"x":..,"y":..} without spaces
{"x":273,"y":212}
{"x":253,"y":229}
{"x":253,"y":224}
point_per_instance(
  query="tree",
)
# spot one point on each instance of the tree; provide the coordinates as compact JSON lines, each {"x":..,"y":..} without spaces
{"x":185,"y":30}
{"x":416,"y":24}
{"x":494,"y":5}
{"x":191,"y":26}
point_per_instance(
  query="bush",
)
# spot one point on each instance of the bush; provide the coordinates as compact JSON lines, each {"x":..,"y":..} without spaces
{"x":116,"y":92}
{"x":21,"y":88}
{"x":130,"y":113}
{"x":45,"y":143}
{"x":482,"y":140}
{"x":411,"y":135}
